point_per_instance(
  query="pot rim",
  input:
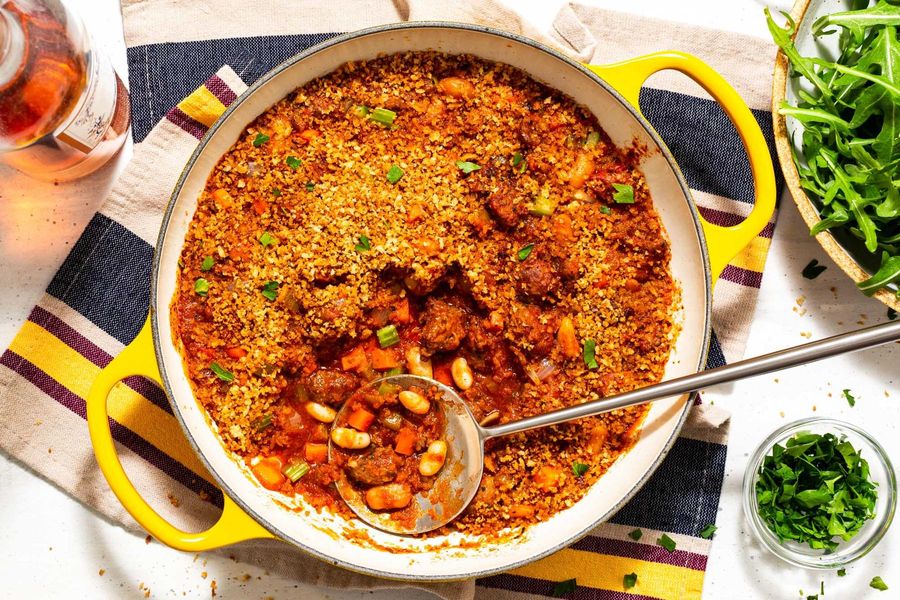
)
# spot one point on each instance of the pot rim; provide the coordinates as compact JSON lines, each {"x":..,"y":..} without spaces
{"x":327,"y":45}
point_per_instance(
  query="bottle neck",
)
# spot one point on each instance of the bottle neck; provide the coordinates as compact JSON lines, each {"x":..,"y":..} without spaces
{"x":12,"y":46}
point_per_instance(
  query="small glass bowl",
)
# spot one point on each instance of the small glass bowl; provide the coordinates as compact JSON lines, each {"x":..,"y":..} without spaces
{"x":881,"y":472}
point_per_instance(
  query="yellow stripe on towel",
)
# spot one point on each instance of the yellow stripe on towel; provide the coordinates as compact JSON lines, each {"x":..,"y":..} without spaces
{"x":64,"y":364}
{"x":202,"y":106}
{"x":753,"y":257}
{"x":605,"y":571}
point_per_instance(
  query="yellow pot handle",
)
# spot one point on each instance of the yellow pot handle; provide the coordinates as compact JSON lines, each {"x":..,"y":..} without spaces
{"x":138,"y":358}
{"x":723,"y":243}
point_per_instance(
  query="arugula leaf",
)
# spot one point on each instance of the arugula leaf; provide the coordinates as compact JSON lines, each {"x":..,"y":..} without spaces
{"x":813,"y":269}
{"x":849,"y":397}
{"x":878,"y":584}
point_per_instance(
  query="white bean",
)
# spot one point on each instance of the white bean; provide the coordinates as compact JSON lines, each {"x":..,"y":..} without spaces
{"x":320,"y":412}
{"x":388,"y":497}
{"x":416,"y":366}
{"x":462,"y":374}
{"x":433,"y":459}
{"x":350,"y":438}
{"x":414,"y":402}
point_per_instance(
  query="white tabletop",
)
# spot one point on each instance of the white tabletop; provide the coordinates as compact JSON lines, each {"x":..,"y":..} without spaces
{"x":53,"y":547}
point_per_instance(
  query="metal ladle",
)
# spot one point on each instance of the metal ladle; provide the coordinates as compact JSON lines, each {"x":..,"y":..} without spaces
{"x":460,"y":478}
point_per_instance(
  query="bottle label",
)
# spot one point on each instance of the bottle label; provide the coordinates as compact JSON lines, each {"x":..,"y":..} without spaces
{"x":91,"y":119}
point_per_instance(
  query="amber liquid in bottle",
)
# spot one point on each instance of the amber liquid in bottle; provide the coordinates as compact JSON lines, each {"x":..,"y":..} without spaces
{"x":63,"y":110}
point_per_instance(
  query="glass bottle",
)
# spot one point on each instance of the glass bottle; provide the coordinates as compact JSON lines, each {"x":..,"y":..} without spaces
{"x":63,"y":110}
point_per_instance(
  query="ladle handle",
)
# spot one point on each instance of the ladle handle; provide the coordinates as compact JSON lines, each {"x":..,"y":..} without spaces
{"x":768,"y":363}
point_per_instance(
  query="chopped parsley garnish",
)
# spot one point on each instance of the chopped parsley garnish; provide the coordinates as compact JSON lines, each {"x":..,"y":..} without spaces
{"x":813,"y":269}
{"x":383,"y":116}
{"x":310,"y":186}
{"x":815,"y":488}
{"x":841,"y":572}
{"x":629,"y":580}
{"x":263,"y":423}
{"x":878,"y":583}
{"x":276,"y":192}
{"x":708,"y":531}
{"x":666,"y":542}
{"x":589,"y":354}
{"x":524,"y":252}
{"x":636,"y":534}
{"x":261,"y":139}
{"x":849,"y":397}
{"x":394,"y":174}
{"x":270,"y":290}
{"x":388,"y":336}
{"x":519,"y":163}
{"x":564,"y":588}
{"x":579,"y":468}
{"x":624,"y":193}
{"x":201,"y":286}
{"x":226,"y":376}
{"x":364,"y":245}
{"x":605,"y":210}
{"x":266,"y":239}
{"x":293,"y":162}
{"x":466,"y":166}
{"x":207,"y":263}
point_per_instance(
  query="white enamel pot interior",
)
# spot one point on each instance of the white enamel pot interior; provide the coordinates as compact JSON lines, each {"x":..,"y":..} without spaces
{"x":385,"y":555}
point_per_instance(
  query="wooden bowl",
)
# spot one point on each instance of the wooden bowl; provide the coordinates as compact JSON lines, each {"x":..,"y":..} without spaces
{"x":845,"y":250}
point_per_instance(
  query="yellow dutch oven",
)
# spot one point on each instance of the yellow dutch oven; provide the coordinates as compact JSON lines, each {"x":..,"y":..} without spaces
{"x":700,"y":251}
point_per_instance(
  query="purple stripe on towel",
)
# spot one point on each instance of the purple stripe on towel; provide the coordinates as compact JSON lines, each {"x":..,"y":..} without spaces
{"x":193,"y":127}
{"x":648,"y":552}
{"x":742,"y":276}
{"x":727,"y":219}
{"x":220,"y":90}
{"x":531,"y":585}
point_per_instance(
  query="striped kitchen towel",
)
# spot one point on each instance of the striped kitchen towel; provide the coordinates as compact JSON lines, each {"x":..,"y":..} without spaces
{"x":98,"y":300}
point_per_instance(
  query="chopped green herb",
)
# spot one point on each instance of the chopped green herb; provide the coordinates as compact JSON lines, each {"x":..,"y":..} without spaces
{"x":394,"y":371}
{"x":364,"y":245}
{"x":519,"y":163}
{"x":524,"y":252}
{"x":815,"y":488}
{"x":593,"y":138}
{"x":564,"y":588}
{"x":666,"y":542}
{"x":579,"y":468}
{"x":878,"y":584}
{"x":293,"y":162}
{"x":605,"y":210}
{"x":386,"y":389}
{"x":813,"y":269}
{"x":466,"y":166}
{"x":388,"y":336}
{"x":822,"y":587}
{"x":708,"y":531}
{"x":266,"y":239}
{"x":201,"y":286}
{"x":295,"y":471}
{"x":636,"y":534}
{"x":310,"y":186}
{"x":589,"y":354}
{"x":394,"y":174}
{"x":841,"y":572}
{"x":276,"y":192}
{"x":383,"y":116}
{"x":542,"y":206}
{"x":361,"y":111}
{"x":629,"y":580}
{"x":624,"y":193}
{"x":261,"y":139}
{"x":221,"y":373}
{"x":891,"y":314}
{"x":263,"y":423}
{"x":207,"y":263}
{"x":849,"y":397}
{"x":270,"y":290}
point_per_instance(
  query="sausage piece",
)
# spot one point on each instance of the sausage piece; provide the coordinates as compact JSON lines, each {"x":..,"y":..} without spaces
{"x":376,"y":468}
{"x":537,"y":278}
{"x":444,"y":326}
{"x":331,"y":386}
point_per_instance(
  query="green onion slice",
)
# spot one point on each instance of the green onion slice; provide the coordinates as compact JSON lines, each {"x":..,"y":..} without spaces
{"x":635,"y":534}
{"x":260,"y":139}
{"x":666,"y":542}
{"x":361,"y":111}
{"x":524,"y":252}
{"x":276,"y":192}
{"x":226,"y":376}
{"x":708,"y":531}
{"x":629,"y":580}
{"x":394,"y":371}
{"x":564,"y":588}
{"x":624,"y":193}
{"x":296,"y":470}
{"x":364,"y":244}
{"x":605,"y":210}
{"x":388,"y":336}
{"x":266,"y":239}
{"x":590,"y":357}
{"x":593,"y":138}
{"x":519,"y":163}
{"x":310,"y":186}
{"x":270,"y":290}
{"x":383,"y":116}
{"x":394,"y":174}
{"x":466,"y":166}
{"x":207,"y":263}
{"x":579,"y":469}
{"x":201,"y":286}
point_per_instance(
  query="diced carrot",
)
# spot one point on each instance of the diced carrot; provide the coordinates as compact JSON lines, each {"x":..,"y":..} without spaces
{"x":547,"y":477}
{"x":360,"y":419}
{"x":405,"y":442}
{"x":268,"y":472}
{"x":260,"y":206}
{"x":384,"y":359}
{"x":442,"y":373}
{"x":315,"y":453}
{"x":521,"y":510}
{"x":309,"y":134}
{"x":236,"y":352}
{"x":401,"y":311}
{"x":355,"y":361}
{"x":415,"y":213}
